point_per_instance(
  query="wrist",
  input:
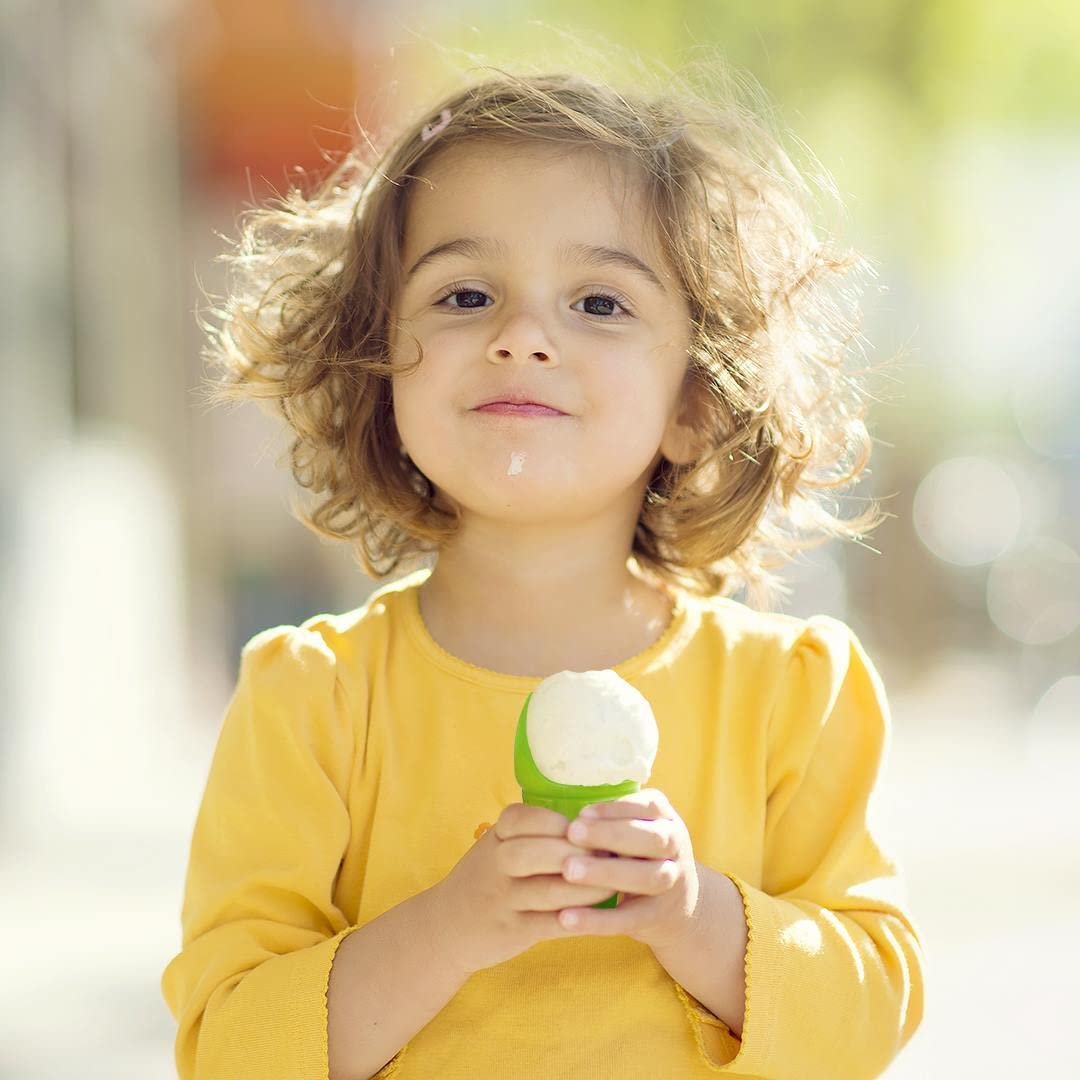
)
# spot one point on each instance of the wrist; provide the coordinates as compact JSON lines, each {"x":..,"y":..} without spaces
{"x":436,"y":922}
{"x":687,"y":941}
{"x":710,"y":959}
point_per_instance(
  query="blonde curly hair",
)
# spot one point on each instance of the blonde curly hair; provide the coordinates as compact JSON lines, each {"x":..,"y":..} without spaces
{"x":304,"y":328}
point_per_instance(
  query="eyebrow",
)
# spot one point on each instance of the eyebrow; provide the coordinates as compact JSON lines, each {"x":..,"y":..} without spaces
{"x":571,"y":251}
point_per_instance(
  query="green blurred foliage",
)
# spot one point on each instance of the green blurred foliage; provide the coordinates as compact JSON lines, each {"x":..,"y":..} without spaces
{"x":948,"y":62}
{"x":874,"y":87}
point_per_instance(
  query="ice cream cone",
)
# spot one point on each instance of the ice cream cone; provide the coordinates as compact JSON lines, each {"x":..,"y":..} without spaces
{"x":567,"y":799}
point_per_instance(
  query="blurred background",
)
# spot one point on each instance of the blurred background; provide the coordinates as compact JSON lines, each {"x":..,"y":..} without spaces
{"x":144,"y":539}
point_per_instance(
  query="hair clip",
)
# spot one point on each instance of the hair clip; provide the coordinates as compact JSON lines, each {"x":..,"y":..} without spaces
{"x":435,"y":128}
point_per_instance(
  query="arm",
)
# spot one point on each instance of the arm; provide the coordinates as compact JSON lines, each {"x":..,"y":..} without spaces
{"x":833,"y":964}
{"x":260,"y":924}
{"x":387,"y":982}
{"x":710,"y":962}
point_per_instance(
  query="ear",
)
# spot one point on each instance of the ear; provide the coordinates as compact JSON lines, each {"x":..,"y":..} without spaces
{"x":683,"y":438}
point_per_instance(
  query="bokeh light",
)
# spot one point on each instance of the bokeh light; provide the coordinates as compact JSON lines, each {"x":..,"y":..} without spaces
{"x":1052,"y":737}
{"x":1033,"y":592}
{"x":1059,"y":708}
{"x":967,"y":511}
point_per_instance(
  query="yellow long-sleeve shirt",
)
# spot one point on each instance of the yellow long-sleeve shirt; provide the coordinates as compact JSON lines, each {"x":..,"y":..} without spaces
{"x":356,"y":760}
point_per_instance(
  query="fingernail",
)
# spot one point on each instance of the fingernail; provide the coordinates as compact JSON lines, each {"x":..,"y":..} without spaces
{"x":588,"y":811}
{"x":577,"y":831}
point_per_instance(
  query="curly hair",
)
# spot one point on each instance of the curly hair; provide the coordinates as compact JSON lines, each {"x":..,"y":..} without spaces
{"x":315,"y":278}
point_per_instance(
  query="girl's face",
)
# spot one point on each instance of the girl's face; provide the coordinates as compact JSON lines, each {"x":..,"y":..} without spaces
{"x":511,"y":286}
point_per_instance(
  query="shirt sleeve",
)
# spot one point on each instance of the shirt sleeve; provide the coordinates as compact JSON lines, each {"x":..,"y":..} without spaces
{"x":834,"y":965}
{"x":259,"y":924}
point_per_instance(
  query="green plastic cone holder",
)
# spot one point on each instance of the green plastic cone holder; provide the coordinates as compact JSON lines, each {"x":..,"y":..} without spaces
{"x":566,"y":799}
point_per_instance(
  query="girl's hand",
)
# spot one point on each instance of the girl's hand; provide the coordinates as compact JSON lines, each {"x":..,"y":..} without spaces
{"x":659,"y":872}
{"x":504,"y":894}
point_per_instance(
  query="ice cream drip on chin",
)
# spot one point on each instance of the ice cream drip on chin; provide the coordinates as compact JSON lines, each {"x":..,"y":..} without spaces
{"x":517,"y":462}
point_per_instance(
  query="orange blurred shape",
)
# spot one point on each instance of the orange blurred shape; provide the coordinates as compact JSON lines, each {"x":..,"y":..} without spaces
{"x":264,"y":87}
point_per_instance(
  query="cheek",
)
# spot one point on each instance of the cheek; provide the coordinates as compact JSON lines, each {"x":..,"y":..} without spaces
{"x":423,"y":398}
{"x":420,"y":418}
{"x":627,"y":414}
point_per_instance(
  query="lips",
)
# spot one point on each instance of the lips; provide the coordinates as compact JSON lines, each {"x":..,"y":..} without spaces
{"x":519,"y":408}
{"x":518,"y":402}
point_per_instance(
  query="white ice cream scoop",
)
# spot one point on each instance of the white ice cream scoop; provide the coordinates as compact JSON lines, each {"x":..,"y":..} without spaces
{"x":591,"y":727}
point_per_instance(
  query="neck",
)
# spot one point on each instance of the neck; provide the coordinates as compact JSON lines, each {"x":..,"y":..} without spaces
{"x":535,"y":607}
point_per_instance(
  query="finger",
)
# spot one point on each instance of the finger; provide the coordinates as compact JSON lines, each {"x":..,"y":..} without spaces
{"x":646,"y":877}
{"x":542,"y":925}
{"x":631,"y":914}
{"x":647,"y":803}
{"x":517,"y":819}
{"x":524,"y":856}
{"x":633,"y":837}
{"x":551,"y":892}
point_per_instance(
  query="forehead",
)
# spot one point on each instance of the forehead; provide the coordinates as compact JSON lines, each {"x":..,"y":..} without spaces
{"x":532,"y":194}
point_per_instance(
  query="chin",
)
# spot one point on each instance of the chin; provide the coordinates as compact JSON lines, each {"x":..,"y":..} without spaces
{"x":530,"y":503}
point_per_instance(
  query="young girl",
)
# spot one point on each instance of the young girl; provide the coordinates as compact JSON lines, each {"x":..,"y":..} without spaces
{"x":575,"y":344}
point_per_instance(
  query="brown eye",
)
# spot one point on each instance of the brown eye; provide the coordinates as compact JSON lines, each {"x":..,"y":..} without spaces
{"x":471,"y":296}
{"x":607,"y":303}
{"x":604,"y":307}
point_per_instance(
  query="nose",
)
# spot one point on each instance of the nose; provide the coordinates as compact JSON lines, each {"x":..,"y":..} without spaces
{"x":521,"y":337}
